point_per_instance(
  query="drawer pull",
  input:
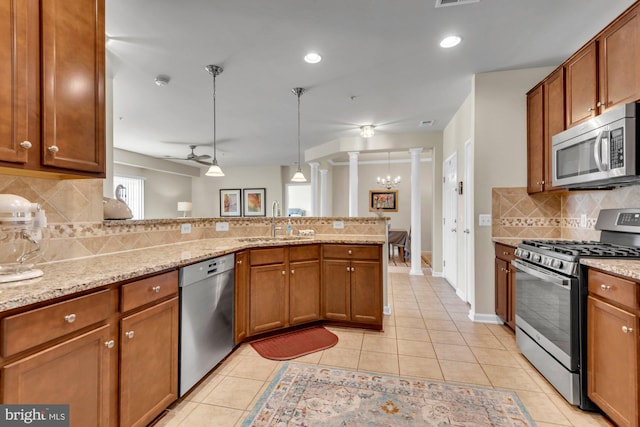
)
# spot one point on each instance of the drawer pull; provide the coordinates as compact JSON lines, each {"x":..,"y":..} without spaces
{"x":110,"y":344}
{"x":353,"y":269}
{"x":284,"y":272}
{"x":348,"y":269}
{"x":129,"y":334}
{"x":293,"y":271}
{"x":70,"y":318}
{"x":26,"y":145}
{"x":350,"y":252}
{"x":505,"y":253}
{"x":605,"y":287}
{"x":627,"y":330}
{"x":156,"y":289}
{"x":53,"y":149}
{"x":240,"y":262}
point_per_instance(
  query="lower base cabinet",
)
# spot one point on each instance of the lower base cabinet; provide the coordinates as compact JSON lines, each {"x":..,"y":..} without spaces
{"x":505,"y":287}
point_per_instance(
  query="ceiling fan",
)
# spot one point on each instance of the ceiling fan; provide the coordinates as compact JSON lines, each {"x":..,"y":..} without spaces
{"x":198,"y":158}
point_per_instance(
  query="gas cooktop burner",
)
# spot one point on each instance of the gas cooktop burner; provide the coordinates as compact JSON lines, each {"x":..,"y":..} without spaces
{"x":585,"y":248}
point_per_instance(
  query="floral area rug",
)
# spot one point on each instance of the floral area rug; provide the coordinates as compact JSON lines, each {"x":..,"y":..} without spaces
{"x":313,"y":396}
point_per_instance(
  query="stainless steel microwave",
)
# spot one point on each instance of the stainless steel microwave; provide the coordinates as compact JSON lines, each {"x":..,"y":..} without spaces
{"x":599,"y":153}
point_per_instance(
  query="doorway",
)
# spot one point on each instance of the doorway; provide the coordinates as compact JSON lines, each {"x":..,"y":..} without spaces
{"x":449,"y":219}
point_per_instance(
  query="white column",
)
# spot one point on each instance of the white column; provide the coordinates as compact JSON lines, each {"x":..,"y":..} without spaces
{"x":416,"y":232}
{"x":323,"y":192}
{"x":353,"y":183}
{"x":314,"y":188}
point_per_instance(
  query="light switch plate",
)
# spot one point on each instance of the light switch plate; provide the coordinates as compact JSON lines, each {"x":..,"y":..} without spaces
{"x":222,"y":226}
{"x":338,"y":224}
{"x":185,"y":228}
{"x":484,"y":220}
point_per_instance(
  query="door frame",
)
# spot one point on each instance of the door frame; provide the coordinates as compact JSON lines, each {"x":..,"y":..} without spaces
{"x":449,"y":272}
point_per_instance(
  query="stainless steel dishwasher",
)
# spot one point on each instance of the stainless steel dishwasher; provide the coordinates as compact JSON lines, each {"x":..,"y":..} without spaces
{"x":206,"y":317}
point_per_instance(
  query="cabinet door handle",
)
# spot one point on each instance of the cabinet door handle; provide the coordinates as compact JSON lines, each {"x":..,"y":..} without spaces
{"x":627,"y":330}
{"x":53,"y":149}
{"x":590,"y":109}
{"x":70,"y":318}
{"x":156,"y":289}
{"x":350,"y":252}
{"x":353,"y":269}
{"x":599,"y":104}
{"x":605,"y":287}
{"x":129,"y":334}
{"x":293,"y":271}
{"x":284,"y":272}
{"x":505,"y":253}
{"x":348,"y":269}
{"x":26,"y":145}
{"x":240,"y":262}
{"x":110,"y":343}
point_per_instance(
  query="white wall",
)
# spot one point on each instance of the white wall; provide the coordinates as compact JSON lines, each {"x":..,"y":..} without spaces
{"x":162,"y":191}
{"x":206,"y":190}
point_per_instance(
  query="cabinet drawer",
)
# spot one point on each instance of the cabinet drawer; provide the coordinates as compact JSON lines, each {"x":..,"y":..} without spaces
{"x":148,"y":290}
{"x":505,"y":252}
{"x":23,"y":331}
{"x":304,"y":253}
{"x":613,"y":288}
{"x":351,"y":252}
{"x":267,"y":256}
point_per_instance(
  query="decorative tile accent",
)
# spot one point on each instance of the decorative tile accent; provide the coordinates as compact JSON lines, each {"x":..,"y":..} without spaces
{"x":517,"y":214}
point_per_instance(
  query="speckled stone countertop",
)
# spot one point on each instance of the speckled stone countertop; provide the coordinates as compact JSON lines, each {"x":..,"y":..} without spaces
{"x":72,"y":276}
{"x":509,"y":241}
{"x":627,"y":268}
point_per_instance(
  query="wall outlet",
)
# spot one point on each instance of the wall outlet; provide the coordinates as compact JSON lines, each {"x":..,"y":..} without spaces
{"x":338,"y":224}
{"x":222,"y":226}
{"x":484,"y":220}
{"x":583,"y":221}
{"x":185,"y":228}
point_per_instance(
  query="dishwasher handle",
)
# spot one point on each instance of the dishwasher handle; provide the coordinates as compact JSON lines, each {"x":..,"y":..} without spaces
{"x":203,"y":270}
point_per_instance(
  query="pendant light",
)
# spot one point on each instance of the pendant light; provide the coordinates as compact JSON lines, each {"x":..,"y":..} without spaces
{"x":298,"y":176}
{"x":214,"y":169}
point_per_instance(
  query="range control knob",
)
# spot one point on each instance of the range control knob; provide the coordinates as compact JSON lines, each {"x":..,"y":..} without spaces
{"x":524,"y":254}
{"x":536,"y":258}
{"x":547,"y":262}
{"x":557,"y":263}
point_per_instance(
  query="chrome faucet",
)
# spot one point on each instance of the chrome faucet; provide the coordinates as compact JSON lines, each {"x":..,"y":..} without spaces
{"x":275,"y":211}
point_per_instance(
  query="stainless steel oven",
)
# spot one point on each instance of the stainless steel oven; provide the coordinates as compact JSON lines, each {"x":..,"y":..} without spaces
{"x":547,"y":323}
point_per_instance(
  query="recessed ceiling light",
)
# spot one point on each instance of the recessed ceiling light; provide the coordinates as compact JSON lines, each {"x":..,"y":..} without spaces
{"x":450,"y":41}
{"x":162,"y":80}
{"x":312,"y":58}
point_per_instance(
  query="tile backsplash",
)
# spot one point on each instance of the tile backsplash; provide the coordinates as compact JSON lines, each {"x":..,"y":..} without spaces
{"x":76,"y":227}
{"x":555,"y":215}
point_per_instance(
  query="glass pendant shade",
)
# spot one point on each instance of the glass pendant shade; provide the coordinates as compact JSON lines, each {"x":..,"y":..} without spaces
{"x":214,"y":170}
{"x":298,"y":176}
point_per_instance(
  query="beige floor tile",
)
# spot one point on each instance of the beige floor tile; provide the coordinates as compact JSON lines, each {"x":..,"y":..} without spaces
{"x":541,"y":408}
{"x":349,"y":339}
{"x":470,"y":327}
{"x":420,"y":367}
{"x":176,"y":414}
{"x":482,"y":340}
{"x":313,"y":358}
{"x":463,"y":372}
{"x":388,"y":332}
{"x":233,"y":392}
{"x":441,"y":325}
{"x":576,"y":416}
{"x":199,"y":392}
{"x":435,"y":314}
{"x":340,"y":357}
{"x":380,"y":344}
{"x":510,"y":378}
{"x":246,"y":350}
{"x":460,"y":353}
{"x":416,"y":348}
{"x":414,"y":334}
{"x":417,"y":314}
{"x":494,"y":356}
{"x":254,"y":368}
{"x":410,"y":322}
{"x":209,"y":415}
{"x":446,"y":337}
{"x":379,"y":362}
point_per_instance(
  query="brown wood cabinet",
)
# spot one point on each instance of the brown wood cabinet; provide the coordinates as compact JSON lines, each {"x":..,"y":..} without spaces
{"x":535,"y":140}
{"x":612,"y":346}
{"x":148,"y":363}
{"x":304,"y":284}
{"x":582,"y":85}
{"x":69,"y":353}
{"x":352,"y":284}
{"x":269,"y":299}
{"x":505,"y":287}
{"x":554,"y":120}
{"x":52,"y":116}
{"x":241,"y":297}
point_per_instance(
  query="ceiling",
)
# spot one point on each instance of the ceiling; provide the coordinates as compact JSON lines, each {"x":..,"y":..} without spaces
{"x":381,"y":65}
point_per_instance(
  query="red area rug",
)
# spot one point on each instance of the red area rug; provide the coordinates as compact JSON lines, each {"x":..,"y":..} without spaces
{"x":295,"y":344}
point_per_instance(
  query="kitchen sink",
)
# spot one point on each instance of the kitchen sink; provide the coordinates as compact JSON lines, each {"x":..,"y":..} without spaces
{"x":269,"y":239}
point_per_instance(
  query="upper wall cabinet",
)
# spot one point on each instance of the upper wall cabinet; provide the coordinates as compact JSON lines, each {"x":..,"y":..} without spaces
{"x":604,"y":73}
{"x":52,"y":64}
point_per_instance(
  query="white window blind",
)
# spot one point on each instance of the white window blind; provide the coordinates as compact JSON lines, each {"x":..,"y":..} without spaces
{"x":133,"y":194}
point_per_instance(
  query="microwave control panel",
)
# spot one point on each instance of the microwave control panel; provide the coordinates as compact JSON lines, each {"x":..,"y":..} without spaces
{"x":616,"y":151}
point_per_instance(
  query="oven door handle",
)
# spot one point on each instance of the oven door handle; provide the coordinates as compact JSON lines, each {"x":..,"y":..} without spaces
{"x":546,"y":276}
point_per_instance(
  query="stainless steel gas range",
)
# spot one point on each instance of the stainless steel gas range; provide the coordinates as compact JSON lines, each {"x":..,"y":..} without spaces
{"x":551,"y":299}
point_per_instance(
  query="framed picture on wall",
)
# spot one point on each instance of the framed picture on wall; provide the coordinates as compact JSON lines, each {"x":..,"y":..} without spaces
{"x":230,"y":202}
{"x":383,"y":200}
{"x":254,"y":200}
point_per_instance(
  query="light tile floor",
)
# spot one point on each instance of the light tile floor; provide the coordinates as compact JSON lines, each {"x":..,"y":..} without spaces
{"x":428,"y":335}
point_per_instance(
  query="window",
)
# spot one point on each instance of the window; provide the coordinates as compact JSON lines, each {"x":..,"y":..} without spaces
{"x":133,"y":194}
{"x":298,"y":199}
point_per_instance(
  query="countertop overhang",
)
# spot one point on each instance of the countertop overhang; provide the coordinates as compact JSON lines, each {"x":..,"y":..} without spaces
{"x":69,"y":277}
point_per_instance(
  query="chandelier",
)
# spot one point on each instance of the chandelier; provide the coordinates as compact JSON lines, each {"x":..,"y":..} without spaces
{"x":387,"y":182}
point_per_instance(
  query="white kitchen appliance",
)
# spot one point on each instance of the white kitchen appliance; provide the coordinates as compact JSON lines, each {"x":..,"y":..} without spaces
{"x":21,"y":237}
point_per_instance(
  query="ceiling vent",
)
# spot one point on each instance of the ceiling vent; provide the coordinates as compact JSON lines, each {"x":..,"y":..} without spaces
{"x":445,"y":3}
{"x":426,"y":123}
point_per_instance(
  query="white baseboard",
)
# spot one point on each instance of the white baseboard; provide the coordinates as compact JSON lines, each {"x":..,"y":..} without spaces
{"x":485,"y":318}
{"x":436,"y":273}
{"x":386,"y":310}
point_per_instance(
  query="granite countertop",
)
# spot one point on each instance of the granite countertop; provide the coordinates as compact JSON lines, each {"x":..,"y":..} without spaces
{"x":626,"y":268}
{"x":509,"y":241}
{"x":72,"y":276}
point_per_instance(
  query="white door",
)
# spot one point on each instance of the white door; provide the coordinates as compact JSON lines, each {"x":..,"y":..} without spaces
{"x":449,"y":223}
{"x":466,"y":289}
